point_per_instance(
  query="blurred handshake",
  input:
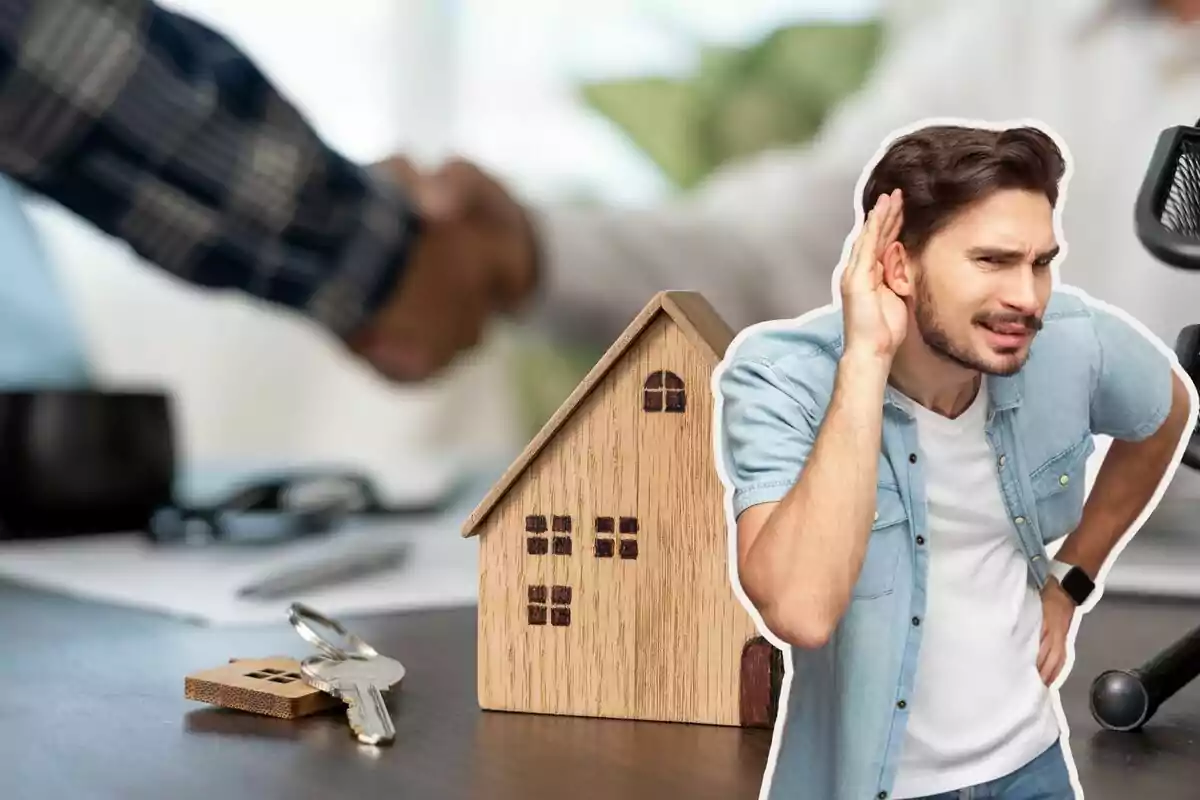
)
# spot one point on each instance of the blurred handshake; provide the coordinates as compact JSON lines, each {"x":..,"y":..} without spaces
{"x":476,"y":258}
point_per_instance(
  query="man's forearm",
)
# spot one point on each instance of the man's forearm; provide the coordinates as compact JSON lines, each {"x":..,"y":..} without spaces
{"x":159,"y":131}
{"x":758,"y":262}
{"x":1127,"y":479}
{"x":802,"y":566}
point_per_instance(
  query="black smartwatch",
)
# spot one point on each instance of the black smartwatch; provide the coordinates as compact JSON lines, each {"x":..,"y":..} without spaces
{"x":1074,"y":581}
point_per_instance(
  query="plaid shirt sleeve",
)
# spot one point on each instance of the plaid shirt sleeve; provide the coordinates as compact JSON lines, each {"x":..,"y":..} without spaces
{"x":160,"y":132}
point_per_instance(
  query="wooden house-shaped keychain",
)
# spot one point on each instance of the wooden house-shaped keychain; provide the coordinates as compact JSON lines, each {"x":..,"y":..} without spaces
{"x":604,"y":560}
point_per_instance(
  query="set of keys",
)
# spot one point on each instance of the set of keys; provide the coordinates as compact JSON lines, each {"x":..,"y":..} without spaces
{"x":357,"y":674}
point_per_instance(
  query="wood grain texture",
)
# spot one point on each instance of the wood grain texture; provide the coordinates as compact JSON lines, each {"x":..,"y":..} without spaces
{"x":92,"y":709}
{"x":270,"y":686}
{"x":655,"y":631}
{"x":695,"y":316}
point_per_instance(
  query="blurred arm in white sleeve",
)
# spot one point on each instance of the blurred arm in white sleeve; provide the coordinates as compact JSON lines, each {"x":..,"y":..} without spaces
{"x":760,"y":240}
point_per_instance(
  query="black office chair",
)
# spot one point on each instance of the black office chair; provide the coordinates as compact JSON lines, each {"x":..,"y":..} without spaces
{"x":1167,"y":219}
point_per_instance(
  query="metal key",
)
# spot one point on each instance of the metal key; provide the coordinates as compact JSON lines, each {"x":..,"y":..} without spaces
{"x":359,"y":682}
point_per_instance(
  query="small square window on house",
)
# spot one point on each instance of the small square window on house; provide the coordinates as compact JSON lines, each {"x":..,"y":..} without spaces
{"x":629,"y":549}
{"x":604,"y":548}
{"x":562,"y":545}
{"x":537,"y":605}
{"x":562,"y":524}
{"x":629,"y":525}
{"x":560,"y":612}
{"x":604,"y":525}
{"x":536,"y":545}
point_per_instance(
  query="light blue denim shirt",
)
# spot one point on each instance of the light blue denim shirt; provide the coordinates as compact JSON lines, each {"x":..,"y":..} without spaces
{"x":1089,"y":372}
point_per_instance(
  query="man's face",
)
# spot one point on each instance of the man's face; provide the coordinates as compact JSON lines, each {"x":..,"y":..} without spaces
{"x":983,"y":282}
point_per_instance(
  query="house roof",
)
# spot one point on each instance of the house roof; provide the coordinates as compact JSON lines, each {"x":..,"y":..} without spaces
{"x":710,"y":335}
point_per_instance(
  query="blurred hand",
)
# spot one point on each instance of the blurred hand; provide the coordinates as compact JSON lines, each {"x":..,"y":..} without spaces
{"x":438,"y":310}
{"x":461,"y":192}
{"x":475,"y":259}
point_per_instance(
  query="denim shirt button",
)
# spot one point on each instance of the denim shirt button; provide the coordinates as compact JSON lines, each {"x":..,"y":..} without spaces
{"x":920,"y":540}
{"x":1064,"y":480}
{"x":1019,"y":520}
{"x":882,"y":796}
{"x":902,"y":705}
{"x":1002,"y":460}
{"x":916,"y":621}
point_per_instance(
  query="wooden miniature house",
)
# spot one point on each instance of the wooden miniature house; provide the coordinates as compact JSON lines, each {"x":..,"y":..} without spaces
{"x":604,"y":562}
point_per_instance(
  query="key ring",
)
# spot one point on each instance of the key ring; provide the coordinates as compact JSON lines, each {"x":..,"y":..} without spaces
{"x":300,"y":616}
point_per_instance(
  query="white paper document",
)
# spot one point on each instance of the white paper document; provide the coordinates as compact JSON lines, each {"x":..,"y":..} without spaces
{"x":201,"y":583}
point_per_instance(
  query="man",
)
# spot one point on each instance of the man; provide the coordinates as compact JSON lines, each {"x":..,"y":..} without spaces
{"x":159,"y":131}
{"x":897,"y":467}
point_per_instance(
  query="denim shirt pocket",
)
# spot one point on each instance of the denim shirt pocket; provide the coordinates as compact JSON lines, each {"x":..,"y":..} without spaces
{"x":1059,"y":490}
{"x":889,"y":537}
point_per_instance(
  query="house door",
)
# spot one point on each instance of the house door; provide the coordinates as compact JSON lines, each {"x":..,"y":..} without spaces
{"x":761,"y":682}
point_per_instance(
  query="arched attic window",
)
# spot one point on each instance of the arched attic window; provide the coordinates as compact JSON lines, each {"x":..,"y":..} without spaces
{"x":664,"y":391}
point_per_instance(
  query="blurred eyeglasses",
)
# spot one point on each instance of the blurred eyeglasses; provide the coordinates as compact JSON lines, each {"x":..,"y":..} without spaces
{"x":276,"y":509}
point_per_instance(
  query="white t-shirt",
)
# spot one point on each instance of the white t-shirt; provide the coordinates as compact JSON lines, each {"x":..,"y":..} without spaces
{"x":979,"y":709}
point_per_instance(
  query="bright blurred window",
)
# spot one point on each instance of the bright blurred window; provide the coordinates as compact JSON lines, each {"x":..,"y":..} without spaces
{"x":520,"y":60}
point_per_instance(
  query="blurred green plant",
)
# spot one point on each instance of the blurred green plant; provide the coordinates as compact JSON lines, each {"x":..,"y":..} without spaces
{"x":740,"y":100}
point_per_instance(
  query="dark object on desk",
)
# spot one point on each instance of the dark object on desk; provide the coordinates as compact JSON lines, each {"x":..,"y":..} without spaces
{"x":281,"y":507}
{"x":91,"y":461}
{"x":1167,"y":218}
{"x":83,"y":461}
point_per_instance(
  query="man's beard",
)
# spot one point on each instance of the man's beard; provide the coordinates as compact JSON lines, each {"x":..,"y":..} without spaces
{"x":936,"y":338}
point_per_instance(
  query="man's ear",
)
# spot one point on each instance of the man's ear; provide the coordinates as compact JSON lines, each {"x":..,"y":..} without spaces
{"x":898,"y":270}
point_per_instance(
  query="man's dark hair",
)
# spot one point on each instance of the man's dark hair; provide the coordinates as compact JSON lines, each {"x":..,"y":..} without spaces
{"x":943,"y":169}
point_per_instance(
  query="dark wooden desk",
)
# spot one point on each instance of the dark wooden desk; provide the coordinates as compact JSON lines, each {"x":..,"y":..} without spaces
{"x":91,"y":707}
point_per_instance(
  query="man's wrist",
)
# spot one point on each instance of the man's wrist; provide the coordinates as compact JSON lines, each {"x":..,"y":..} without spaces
{"x":1075,"y":581}
{"x":865,"y":358}
{"x":389,"y":237}
{"x":864,"y":371}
